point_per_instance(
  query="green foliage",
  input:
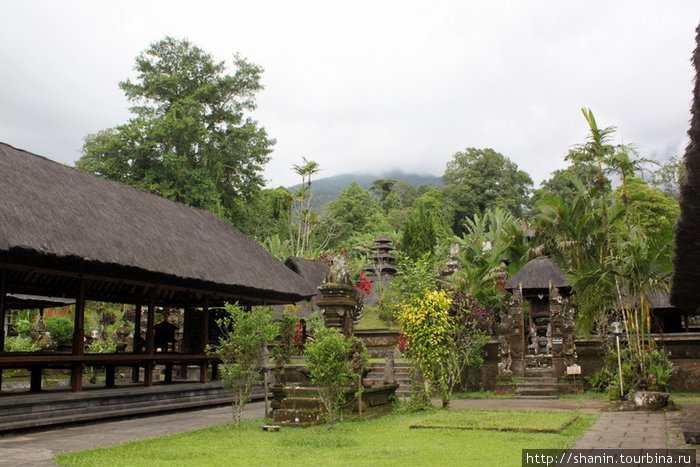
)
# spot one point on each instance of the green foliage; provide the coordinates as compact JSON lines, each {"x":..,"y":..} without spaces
{"x":424,"y":227}
{"x":659,"y":370}
{"x":414,"y":277}
{"x":477,"y":179}
{"x":649,"y":209}
{"x":22,"y":321}
{"x":494,"y":246}
{"x":268,"y":216}
{"x":189,"y":139}
{"x":563,"y":183}
{"x":669,"y":176}
{"x":327,"y":359}
{"x":61,"y":329}
{"x":287,"y":327}
{"x":426,"y":323}
{"x":355,"y":212}
{"x":102,"y":346}
{"x":244,"y":336}
{"x":314,"y":323}
{"x":20,"y":344}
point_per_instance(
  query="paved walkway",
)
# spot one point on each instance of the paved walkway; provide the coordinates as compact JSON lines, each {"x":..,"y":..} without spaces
{"x":629,"y":430}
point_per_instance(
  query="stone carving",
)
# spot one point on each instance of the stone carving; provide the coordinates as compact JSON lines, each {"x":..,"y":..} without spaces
{"x":280,"y":378}
{"x":39,"y":333}
{"x":121,"y":337}
{"x":357,"y":368}
{"x":505,"y":360}
{"x":389,"y":373}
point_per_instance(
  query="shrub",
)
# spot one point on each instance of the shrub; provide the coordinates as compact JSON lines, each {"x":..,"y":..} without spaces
{"x":327,"y":359}
{"x":20,"y":344}
{"x":245,"y":335}
{"x":61,"y":329}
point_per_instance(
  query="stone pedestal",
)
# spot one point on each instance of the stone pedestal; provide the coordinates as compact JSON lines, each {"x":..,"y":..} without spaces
{"x":340,"y":305}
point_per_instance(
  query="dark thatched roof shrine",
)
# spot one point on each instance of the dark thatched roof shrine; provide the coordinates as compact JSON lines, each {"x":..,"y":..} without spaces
{"x":685,"y":281}
{"x":314,"y":272}
{"x":537,"y":274}
{"x":59,"y":225}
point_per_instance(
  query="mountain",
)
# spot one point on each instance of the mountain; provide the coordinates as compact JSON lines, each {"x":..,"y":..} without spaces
{"x":324,"y":190}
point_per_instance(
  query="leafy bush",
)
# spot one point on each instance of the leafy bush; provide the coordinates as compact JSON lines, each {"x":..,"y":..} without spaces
{"x":20,"y":344}
{"x":22,"y":325}
{"x":245,"y":335}
{"x":426,"y":323}
{"x":659,"y":370}
{"x":327,"y":360}
{"x":61,"y":329}
{"x":102,"y":346}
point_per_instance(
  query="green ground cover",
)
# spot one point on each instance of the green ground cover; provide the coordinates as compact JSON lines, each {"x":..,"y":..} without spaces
{"x":370,"y":320}
{"x":384,"y":441}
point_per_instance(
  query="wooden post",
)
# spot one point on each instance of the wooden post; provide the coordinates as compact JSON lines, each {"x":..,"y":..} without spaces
{"x":150,"y":321}
{"x":35,"y":379}
{"x":76,"y":375}
{"x":137,"y":341}
{"x":3,"y":291}
{"x":109,"y":376}
{"x":205,"y":340}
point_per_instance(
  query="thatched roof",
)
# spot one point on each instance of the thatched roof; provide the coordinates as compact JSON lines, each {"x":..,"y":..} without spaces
{"x":537,"y":275}
{"x":26,"y":302}
{"x":685,"y":292}
{"x":61,"y":219}
{"x":314,"y":272}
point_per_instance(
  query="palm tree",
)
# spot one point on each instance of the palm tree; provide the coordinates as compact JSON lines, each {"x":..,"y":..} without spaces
{"x":306,"y":170}
{"x":622,"y":164}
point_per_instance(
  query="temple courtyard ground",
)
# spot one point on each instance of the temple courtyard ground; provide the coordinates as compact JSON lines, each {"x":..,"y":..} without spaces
{"x":627,"y":430}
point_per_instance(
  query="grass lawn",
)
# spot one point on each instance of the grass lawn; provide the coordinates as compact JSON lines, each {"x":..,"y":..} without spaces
{"x":370,"y":320}
{"x":384,"y":441}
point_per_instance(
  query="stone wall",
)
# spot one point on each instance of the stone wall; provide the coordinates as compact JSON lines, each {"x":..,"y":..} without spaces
{"x":684,"y":348}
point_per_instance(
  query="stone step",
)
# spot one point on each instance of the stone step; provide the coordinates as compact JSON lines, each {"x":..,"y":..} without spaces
{"x":301,"y":403}
{"x":524,"y":396}
{"x":297,"y":417}
{"x":537,"y":382}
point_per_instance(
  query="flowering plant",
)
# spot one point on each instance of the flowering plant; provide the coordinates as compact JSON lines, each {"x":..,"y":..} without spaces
{"x":364,"y":285}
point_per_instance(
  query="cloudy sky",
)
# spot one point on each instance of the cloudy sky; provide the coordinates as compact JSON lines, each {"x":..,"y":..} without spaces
{"x":367,"y":86}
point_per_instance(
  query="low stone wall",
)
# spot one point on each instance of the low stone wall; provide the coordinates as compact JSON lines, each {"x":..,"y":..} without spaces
{"x":379,"y":342}
{"x":684,"y":349}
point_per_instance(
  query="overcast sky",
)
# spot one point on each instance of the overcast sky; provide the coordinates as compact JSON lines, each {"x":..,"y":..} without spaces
{"x":368,"y":86}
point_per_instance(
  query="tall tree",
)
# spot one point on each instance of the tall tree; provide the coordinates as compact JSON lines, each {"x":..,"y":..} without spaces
{"x":477,"y":179}
{"x":190,"y":139}
{"x":354,"y":212}
{"x":669,"y":176}
{"x":424,"y":227}
{"x":305,"y":217}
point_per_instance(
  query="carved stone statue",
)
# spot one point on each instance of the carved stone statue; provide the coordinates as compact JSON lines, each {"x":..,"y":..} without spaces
{"x":389,"y":373}
{"x":505,"y":360}
{"x":280,"y":378}
{"x":39,"y":334}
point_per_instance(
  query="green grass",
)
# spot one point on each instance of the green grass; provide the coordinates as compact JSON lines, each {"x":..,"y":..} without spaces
{"x":384,"y":441}
{"x":370,"y":320}
{"x":685,"y":396}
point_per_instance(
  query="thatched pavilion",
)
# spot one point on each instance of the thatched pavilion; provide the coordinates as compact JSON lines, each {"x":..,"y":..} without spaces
{"x":685,"y":289}
{"x":66,"y":233}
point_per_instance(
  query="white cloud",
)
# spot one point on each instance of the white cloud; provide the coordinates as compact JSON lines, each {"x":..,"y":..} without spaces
{"x":364,"y":85}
